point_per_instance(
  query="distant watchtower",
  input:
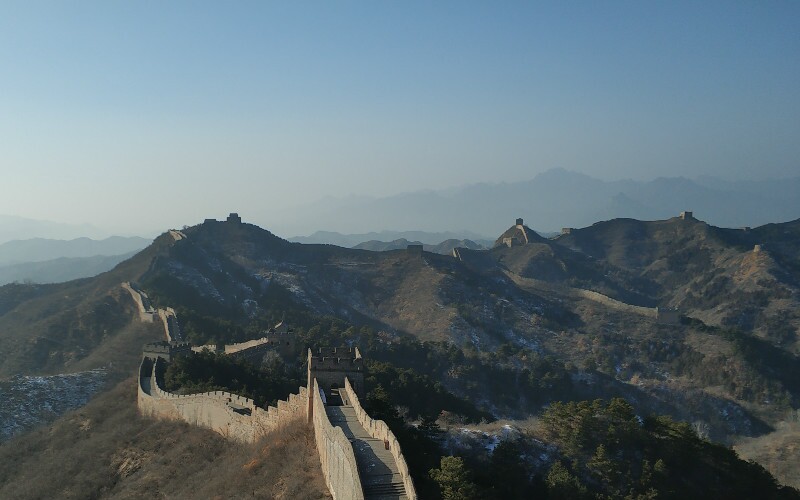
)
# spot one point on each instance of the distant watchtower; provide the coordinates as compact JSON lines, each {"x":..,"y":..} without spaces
{"x":519,"y":222}
{"x":234,"y":218}
{"x":414,"y":249}
{"x":686,"y":215}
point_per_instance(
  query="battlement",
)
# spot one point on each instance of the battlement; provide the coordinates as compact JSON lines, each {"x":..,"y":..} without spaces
{"x":332,"y":365}
{"x":336,"y":364}
{"x":167,"y":350}
{"x":340,"y":352}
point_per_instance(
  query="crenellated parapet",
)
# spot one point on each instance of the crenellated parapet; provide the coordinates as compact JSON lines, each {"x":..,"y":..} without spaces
{"x":167,"y":350}
{"x":332,"y":365}
{"x":342,"y":428}
{"x":231,"y":415}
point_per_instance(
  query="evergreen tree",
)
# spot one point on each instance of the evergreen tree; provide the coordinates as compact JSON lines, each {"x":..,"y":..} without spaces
{"x":454,"y":480}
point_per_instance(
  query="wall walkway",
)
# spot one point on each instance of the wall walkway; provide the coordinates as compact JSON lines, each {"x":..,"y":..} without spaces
{"x":384,"y":472}
{"x":336,"y":455}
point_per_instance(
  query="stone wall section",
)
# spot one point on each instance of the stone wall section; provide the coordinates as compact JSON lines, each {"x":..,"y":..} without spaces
{"x":335,"y":453}
{"x":379,"y":430}
{"x":172,"y":330}
{"x":146,"y":312}
{"x":231,"y":415}
{"x":648,"y":312}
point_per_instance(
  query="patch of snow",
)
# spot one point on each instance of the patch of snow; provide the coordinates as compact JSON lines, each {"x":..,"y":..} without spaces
{"x":28,"y":401}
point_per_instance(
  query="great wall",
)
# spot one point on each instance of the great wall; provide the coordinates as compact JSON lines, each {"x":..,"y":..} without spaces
{"x":360,"y":457}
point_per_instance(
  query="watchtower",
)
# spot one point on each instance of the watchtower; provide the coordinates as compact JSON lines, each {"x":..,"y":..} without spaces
{"x":414,"y":249}
{"x":519,"y":221}
{"x":234,"y":218}
{"x":331,"y":365}
{"x":686,"y":215}
{"x":167,"y":350}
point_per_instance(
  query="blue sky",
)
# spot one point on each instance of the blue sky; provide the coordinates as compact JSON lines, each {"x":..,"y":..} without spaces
{"x":193,"y":109}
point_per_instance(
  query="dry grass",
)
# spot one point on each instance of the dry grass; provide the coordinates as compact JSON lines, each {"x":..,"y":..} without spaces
{"x":105,"y":450}
{"x":778,"y":452}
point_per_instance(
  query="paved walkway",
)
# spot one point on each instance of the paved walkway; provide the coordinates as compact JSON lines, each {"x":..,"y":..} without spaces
{"x":376,"y":466}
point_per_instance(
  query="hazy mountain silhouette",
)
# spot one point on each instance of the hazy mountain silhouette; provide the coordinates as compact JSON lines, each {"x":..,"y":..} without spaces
{"x":352,"y":240}
{"x":555,"y":199}
{"x":20,"y":228}
{"x":41,"y":249}
{"x":60,"y":269}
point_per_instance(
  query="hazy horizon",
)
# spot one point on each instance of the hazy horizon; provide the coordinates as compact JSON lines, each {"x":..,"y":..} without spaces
{"x":543,"y":210}
{"x":146,"y":115}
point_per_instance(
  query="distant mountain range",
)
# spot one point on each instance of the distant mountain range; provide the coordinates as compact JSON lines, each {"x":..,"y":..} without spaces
{"x":42,"y":249}
{"x":60,"y":269}
{"x":419,"y":237}
{"x":20,"y":228}
{"x":552,"y":200}
{"x":41,"y":260}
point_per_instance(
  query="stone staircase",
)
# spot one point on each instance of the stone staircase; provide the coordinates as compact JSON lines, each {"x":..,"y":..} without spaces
{"x":380,"y":478}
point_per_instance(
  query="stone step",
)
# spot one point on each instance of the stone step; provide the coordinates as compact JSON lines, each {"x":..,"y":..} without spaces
{"x":383,"y":479}
{"x":394,"y":491}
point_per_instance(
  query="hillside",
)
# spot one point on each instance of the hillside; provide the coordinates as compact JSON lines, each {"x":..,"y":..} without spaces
{"x":106,"y":450}
{"x":77,"y":325}
{"x":510,"y":329}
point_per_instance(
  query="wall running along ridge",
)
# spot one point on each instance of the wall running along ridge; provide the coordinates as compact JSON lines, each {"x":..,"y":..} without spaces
{"x":172,"y":329}
{"x":216,"y":410}
{"x":146,"y":311}
{"x":379,"y":430}
{"x":147,"y":314}
{"x":335,"y":453}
